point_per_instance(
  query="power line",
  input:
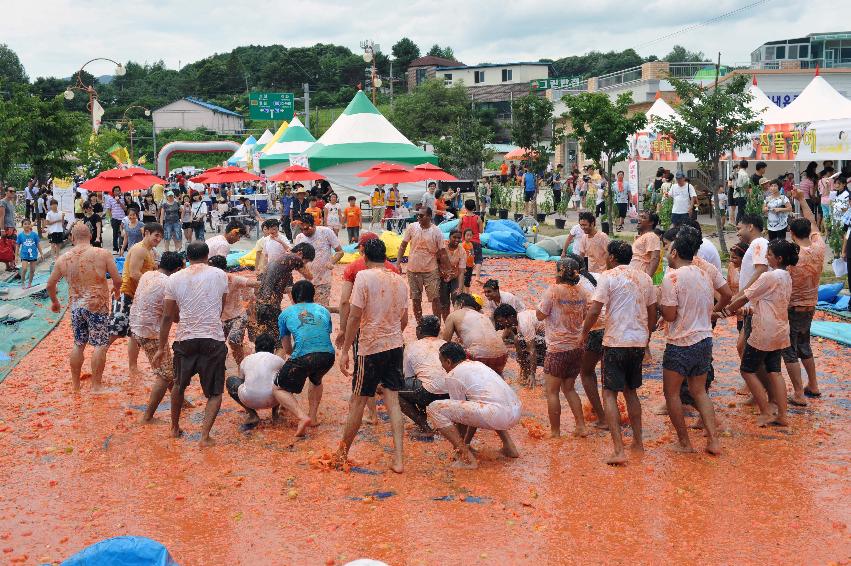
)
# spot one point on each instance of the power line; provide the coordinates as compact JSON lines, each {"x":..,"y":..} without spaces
{"x":704,"y":23}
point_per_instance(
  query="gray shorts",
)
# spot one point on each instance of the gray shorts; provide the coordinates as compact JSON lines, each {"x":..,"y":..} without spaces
{"x":688,"y":361}
{"x":799,"y":336}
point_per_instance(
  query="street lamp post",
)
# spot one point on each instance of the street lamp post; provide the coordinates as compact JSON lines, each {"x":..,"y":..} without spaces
{"x":369,"y":48}
{"x":131,"y":131}
{"x":120,"y":70}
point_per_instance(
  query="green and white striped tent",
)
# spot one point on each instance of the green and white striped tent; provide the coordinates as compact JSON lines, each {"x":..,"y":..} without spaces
{"x":363,"y":134}
{"x":296,"y":140}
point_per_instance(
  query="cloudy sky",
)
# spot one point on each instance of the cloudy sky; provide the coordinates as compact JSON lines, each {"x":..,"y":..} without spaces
{"x":54,"y":37}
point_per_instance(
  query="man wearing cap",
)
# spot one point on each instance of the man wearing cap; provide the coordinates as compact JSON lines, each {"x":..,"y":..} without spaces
{"x":685,"y":198}
{"x":298,"y":209}
{"x":428,"y":255}
{"x":328,"y":252}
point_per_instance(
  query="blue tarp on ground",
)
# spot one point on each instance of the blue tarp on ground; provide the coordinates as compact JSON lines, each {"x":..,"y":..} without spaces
{"x":127,"y":551}
{"x":838,"y":331}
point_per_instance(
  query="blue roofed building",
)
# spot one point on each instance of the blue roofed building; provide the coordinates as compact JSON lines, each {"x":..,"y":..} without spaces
{"x":191,"y":113}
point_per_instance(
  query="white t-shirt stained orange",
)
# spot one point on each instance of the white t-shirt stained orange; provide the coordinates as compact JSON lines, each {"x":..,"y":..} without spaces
{"x":643,"y":248}
{"x":595,"y":248}
{"x":383,"y":296}
{"x":424,"y":244}
{"x":626,"y":293}
{"x":806,"y":275}
{"x":769,"y":296}
{"x":565,"y":307}
{"x":690,"y":290}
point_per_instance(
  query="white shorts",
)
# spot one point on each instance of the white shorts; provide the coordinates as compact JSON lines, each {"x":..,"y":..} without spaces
{"x":488,"y":416}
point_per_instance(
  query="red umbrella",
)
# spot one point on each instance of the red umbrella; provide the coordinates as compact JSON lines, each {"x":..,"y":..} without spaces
{"x":520,"y":153}
{"x":229,"y":175}
{"x":296,"y":173}
{"x":390,"y":176}
{"x":378,"y":168}
{"x":132,"y":179}
{"x":429,"y":172}
{"x":200,"y":178}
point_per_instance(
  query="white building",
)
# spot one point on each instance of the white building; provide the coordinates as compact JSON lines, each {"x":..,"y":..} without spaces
{"x":491,"y":74}
{"x":192,"y":113}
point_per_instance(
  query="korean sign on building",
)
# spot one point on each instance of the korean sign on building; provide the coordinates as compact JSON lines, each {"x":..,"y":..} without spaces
{"x":271,"y":105}
{"x":560,"y":82}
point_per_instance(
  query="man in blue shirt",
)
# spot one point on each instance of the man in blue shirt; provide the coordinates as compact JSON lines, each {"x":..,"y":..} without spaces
{"x":530,"y":190}
{"x":308,"y":326}
{"x":286,"y":205}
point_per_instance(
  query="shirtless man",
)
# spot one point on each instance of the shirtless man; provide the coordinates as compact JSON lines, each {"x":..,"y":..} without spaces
{"x":85,"y":268}
{"x":378,"y":316}
{"x":274,"y":282}
{"x":478,"y":398}
{"x":145,"y":322}
{"x":139,"y":260}
{"x":476,"y":333}
{"x":630,"y":300}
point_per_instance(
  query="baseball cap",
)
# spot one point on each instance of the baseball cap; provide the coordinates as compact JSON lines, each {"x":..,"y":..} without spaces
{"x":680,"y":175}
{"x":169,"y":193}
{"x":367,"y":236}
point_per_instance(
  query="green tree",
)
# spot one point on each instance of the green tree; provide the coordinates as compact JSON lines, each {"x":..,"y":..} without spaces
{"x":438,"y":51}
{"x":12,"y":146}
{"x":463,"y":149}
{"x":11,"y":71}
{"x":595,"y":63}
{"x":92,"y":150}
{"x":680,"y":54}
{"x":709,"y":123}
{"x":603,"y":127}
{"x":425,"y":113}
{"x":532,"y":115}
{"x":50,"y":133}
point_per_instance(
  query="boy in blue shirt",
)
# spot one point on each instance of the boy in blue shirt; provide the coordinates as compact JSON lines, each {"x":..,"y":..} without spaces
{"x":305,"y":330}
{"x":29,"y":248}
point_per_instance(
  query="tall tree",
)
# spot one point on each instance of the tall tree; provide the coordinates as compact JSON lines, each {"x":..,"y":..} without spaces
{"x":709,"y":123}
{"x":425,"y":113}
{"x":404,"y":51}
{"x":438,"y":51}
{"x":11,"y":70}
{"x":603,"y":128}
{"x":12,"y":144}
{"x":532,"y":115}
{"x":680,"y":54}
{"x":50,"y":133}
{"x":463,"y":149}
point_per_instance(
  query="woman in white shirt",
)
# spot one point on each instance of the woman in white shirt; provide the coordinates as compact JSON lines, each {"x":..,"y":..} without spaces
{"x":777,"y":207}
{"x":333,"y":213}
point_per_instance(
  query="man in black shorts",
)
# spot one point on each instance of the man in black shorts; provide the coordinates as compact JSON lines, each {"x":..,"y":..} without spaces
{"x":305,"y":329}
{"x":424,"y":376}
{"x":195,"y":296}
{"x":379,"y":311}
{"x":274,"y":282}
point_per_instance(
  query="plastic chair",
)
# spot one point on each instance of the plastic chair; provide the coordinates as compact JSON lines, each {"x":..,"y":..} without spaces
{"x":530,"y":227}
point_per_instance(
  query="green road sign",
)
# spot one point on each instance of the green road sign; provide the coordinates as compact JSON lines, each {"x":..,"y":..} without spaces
{"x":271,"y":105}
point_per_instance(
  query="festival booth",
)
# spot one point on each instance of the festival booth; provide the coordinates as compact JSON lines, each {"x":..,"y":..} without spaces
{"x":359,"y":138}
{"x":295,"y":141}
{"x":242,"y":156}
{"x":257,"y":149}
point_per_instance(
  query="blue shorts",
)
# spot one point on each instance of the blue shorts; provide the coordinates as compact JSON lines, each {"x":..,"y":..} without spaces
{"x":172,"y":231}
{"x":90,"y":327}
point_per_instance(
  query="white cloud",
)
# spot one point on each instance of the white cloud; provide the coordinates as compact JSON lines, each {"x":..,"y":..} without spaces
{"x":54,"y":37}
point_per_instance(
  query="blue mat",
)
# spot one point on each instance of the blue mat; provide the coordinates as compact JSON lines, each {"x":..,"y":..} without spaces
{"x":837,"y":331}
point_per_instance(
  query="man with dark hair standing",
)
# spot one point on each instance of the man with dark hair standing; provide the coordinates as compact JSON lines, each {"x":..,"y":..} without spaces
{"x":805,"y":282}
{"x":145,"y":322}
{"x":623,"y":190}
{"x":328,"y":251}
{"x":630,"y":301}
{"x":759,"y":173}
{"x":741,"y":189}
{"x":647,"y":247}
{"x":378,"y":316}
{"x":195,"y":297}
{"x":428,"y":255}
{"x":593,"y":245}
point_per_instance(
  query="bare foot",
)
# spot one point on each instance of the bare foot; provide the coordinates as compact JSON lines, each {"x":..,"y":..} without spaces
{"x":509,"y":452}
{"x":798,"y":400}
{"x":175,"y":433}
{"x":682,"y":448}
{"x":617,"y":459}
{"x":204,"y":442}
{"x":152,"y":420}
{"x":314,"y":421}
{"x":397,"y":467}
{"x":714,"y":447}
{"x":371,"y":418}
{"x":466,"y":462}
{"x":743,"y":390}
{"x":749,"y":402}
{"x":780,"y":421}
{"x":601,"y":425}
{"x":580,"y":432}
{"x":637,"y":447}
{"x":764,"y":420}
{"x":99,"y":390}
{"x":302,"y":427}
{"x":555,"y":433}
{"x":772,"y":408}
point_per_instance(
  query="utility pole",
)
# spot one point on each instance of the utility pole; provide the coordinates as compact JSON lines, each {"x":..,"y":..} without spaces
{"x":306,"y":105}
{"x":391,"y":83}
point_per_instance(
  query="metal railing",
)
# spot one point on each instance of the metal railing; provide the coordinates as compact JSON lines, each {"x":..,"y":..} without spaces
{"x":689,"y":69}
{"x":618,"y":78}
